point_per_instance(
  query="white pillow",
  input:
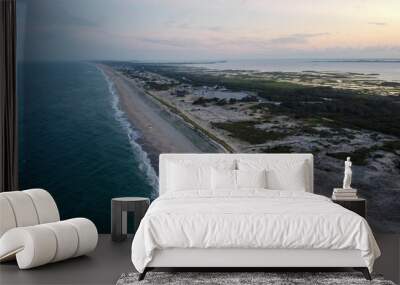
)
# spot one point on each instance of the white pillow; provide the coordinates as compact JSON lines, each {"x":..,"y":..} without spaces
{"x":281,"y":175}
{"x":286,"y":177}
{"x":251,"y":178}
{"x":223,"y":180}
{"x":193,"y":174}
{"x":182,"y":177}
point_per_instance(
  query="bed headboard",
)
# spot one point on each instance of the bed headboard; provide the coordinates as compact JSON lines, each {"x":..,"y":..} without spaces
{"x":209,"y":158}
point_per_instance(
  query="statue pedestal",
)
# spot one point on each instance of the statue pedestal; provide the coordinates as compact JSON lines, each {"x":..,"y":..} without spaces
{"x":342,"y":193}
{"x":344,"y":190}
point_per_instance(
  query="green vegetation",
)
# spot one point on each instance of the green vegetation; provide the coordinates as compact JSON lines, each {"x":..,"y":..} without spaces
{"x":203,"y":101}
{"x":341,"y":108}
{"x":358,"y":157}
{"x":247,"y":131}
{"x":376,"y":113}
{"x":130,"y":74}
{"x":221,"y":102}
{"x":335,"y":108}
{"x":325,"y":133}
{"x":158,"y":86}
{"x":277,"y":149}
{"x":390,"y":84}
{"x":391,"y":146}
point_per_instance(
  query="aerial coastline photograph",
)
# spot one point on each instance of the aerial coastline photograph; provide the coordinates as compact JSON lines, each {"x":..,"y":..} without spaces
{"x":185,"y":79}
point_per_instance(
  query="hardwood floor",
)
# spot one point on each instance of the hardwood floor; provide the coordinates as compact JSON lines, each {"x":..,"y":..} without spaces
{"x":110,"y":260}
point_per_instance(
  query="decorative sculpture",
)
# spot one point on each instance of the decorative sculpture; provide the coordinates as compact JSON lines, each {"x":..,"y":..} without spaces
{"x":347,"y":174}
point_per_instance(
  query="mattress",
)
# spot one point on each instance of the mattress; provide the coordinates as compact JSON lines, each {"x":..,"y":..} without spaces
{"x":252,"y":219}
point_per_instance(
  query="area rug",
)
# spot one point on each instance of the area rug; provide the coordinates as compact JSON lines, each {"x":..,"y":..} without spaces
{"x":244,"y":278}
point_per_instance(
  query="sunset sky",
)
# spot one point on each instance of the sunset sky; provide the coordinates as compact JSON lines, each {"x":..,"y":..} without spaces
{"x":208,"y":29}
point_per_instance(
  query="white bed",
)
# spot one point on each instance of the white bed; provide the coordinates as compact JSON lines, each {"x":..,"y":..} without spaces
{"x":249,"y":227}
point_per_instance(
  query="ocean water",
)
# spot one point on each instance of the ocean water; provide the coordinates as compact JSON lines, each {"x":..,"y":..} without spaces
{"x":76,"y":142}
{"x":387,"y":70}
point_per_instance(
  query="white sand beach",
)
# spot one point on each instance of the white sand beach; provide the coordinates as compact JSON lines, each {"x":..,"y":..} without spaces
{"x":145,"y":114}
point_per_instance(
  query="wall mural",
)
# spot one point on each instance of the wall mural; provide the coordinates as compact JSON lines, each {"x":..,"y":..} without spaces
{"x":105,"y":86}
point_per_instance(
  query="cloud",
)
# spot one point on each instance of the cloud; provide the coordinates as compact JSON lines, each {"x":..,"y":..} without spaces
{"x":169,"y":42}
{"x":227,"y":42}
{"x":213,"y":28}
{"x":295,"y":39}
{"x":186,"y":25}
{"x":377,"y":23}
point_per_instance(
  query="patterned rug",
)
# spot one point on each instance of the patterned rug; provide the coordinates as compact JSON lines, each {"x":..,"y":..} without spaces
{"x":244,"y":278}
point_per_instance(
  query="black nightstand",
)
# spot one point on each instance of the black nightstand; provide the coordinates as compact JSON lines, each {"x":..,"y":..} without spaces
{"x":120,"y":207}
{"x":358,"y":206}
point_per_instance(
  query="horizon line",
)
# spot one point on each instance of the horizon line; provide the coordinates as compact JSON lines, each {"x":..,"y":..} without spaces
{"x":210,"y":61}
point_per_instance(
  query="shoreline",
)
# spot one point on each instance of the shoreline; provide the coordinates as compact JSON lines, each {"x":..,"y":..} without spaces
{"x":157,"y":126}
{"x":191,"y":122}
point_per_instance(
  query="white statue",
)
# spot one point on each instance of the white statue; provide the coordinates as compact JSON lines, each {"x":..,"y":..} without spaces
{"x":347,"y":174}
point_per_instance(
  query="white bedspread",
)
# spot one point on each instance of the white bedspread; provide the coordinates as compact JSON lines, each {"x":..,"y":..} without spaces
{"x":251,"y":219}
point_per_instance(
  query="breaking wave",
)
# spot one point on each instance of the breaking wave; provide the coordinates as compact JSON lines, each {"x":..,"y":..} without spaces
{"x":133,"y":135}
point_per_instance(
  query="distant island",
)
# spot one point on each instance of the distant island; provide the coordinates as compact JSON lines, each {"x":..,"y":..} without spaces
{"x":180,"y":62}
{"x":360,"y":60}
